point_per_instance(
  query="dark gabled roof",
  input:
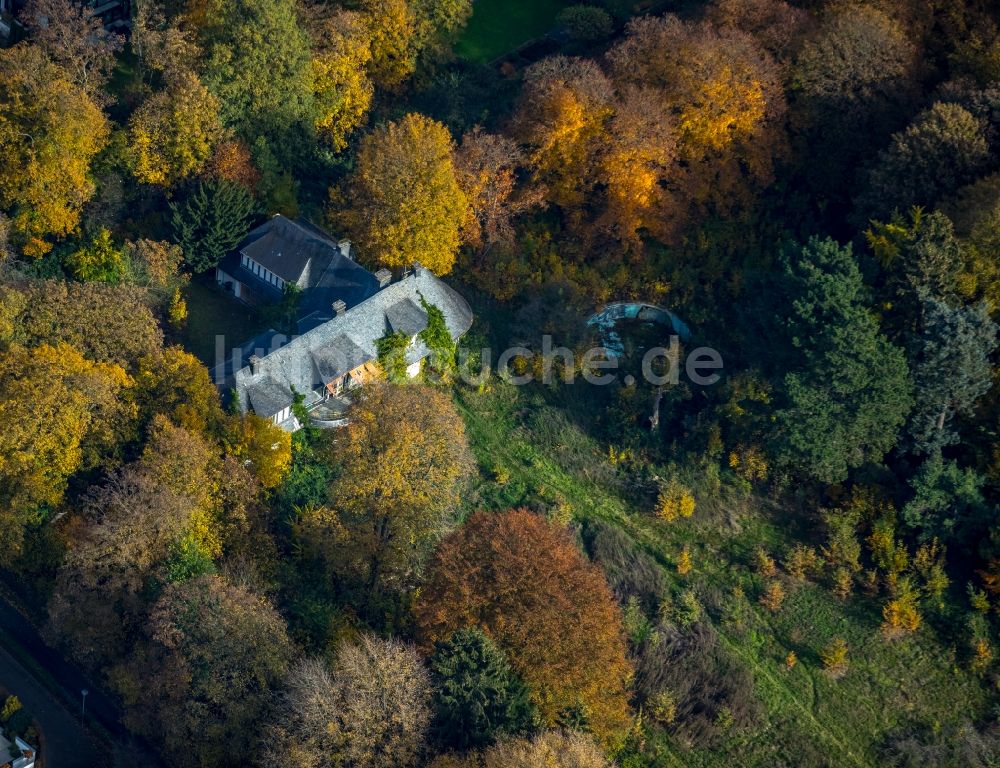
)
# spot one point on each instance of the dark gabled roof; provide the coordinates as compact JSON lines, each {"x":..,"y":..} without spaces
{"x":286,"y":247}
{"x":338,"y":357}
{"x":339,"y":279}
{"x":406,"y":317}
{"x":300,"y":253}
{"x":268,"y":396}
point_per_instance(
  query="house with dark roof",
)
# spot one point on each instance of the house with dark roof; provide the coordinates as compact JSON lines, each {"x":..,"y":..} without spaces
{"x":345,"y":311}
{"x":283,"y":252}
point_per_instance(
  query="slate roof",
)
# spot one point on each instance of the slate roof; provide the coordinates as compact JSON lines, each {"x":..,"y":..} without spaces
{"x":339,"y":357}
{"x":406,"y":317}
{"x":269,"y":395}
{"x":300,"y":253}
{"x":286,"y":247}
{"x":308,"y":362}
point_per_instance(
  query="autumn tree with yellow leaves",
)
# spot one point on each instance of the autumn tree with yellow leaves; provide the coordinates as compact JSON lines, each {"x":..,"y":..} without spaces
{"x":341,"y":55}
{"x":62,"y":413}
{"x":263,"y":447}
{"x":173,"y":133}
{"x":174,"y":383}
{"x":406,"y":32}
{"x":392,"y":27}
{"x":403,"y":456}
{"x":561,"y":118}
{"x":636,"y":161}
{"x":725,"y":93}
{"x":50,"y":131}
{"x":406,"y":204}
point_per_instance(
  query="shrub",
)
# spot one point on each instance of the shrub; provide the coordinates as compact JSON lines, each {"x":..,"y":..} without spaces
{"x":749,"y":464}
{"x":834,"y":657}
{"x":98,"y":260}
{"x":736,"y":611}
{"x":979,"y":643}
{"x":637,"y":625}
{"x":177,"y":312}
{"x":900,"y":615}
{"x":686,"y":611}
{"x":870,"y":581}
{"x":560,"y":512}
{"x":978,"y":599}
{"x":684,"y":562}
{"x":724,"y":719}
{"x":982,"y":655}
{"x":10,"y":705}
{"x":842,"y":545}
{"x":773,"y":597}
{"x":936,"y":582}
{"x":929,"y":562}
{"x":889,"y":554}
{"x":801,"y":561}
{"x":663,"y":708}
{"x":843,"y":583}
{"x":585,"y":22}
{"x":764,"y":563}
{"x":675,"y":501}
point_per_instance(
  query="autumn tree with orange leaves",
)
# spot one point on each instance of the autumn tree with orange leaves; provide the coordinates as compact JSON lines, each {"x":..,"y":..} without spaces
{"x":725,"y":93}
{"x":522,"y":581}
{"x":561,"y":119}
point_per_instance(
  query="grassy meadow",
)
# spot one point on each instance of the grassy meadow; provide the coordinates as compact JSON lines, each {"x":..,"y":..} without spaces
{"x":531,"y":454}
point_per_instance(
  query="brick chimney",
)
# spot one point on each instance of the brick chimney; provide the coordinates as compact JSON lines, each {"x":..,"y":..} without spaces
{"x":384,"y":277}
{"x":339,"y":307}
{"x":255,"y":362}
{"x":345,"y":248}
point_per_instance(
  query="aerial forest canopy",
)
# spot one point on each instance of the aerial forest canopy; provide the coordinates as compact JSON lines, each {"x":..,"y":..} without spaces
{"x":463,"y":547}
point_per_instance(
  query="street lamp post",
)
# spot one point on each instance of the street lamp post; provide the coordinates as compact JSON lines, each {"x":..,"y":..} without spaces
{"x":83,"y":707}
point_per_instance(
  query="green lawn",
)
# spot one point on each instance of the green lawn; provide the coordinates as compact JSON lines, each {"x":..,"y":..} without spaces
{"x":212,"y":313}
{"x":530,"y":454}
{"x":500,"y":26}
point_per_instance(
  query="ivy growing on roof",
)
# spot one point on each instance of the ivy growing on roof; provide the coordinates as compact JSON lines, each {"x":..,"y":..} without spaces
{"x":392,"y":355}
{"x":439,"y":341}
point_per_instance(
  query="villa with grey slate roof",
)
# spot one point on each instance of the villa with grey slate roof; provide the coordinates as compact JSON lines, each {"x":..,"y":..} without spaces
{"x":344,"y":311}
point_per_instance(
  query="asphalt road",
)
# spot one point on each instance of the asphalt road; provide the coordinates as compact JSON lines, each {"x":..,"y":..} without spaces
{"x":67,"y":744}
